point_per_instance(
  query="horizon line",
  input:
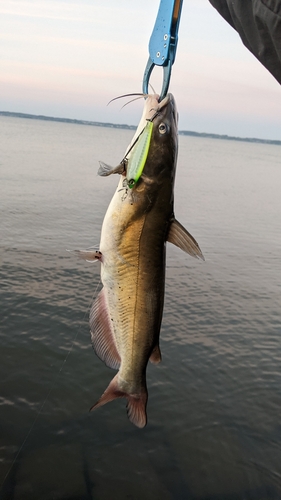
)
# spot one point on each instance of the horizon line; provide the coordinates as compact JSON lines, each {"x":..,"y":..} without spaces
{"x":207,"y":135}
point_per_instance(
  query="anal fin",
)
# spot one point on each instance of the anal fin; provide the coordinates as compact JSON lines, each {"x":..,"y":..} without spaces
{"x":180,"y":237}
{"x":102,"y":334}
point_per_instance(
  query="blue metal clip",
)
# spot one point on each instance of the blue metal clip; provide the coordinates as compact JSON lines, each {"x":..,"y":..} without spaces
{"x":163,"y":43}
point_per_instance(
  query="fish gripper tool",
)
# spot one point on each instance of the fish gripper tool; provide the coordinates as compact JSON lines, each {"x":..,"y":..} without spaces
{"x":163,"y":43}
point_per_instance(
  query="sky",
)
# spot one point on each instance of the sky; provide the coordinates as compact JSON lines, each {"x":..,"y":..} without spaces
{"x":68,"y":58}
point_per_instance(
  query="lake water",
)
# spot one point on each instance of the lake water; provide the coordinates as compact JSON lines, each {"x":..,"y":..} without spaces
{"x":214,"y":409}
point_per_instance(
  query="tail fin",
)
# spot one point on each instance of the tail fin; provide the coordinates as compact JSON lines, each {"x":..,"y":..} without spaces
{"x":136,"y":405}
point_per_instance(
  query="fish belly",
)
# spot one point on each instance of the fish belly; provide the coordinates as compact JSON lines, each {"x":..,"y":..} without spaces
{"x":133,"y":275}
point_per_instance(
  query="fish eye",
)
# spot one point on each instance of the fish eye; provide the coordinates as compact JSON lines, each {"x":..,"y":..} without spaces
{"x":162,"y":128}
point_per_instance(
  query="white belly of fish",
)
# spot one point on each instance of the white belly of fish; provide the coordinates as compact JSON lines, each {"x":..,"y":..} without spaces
{"x":131,"y":291}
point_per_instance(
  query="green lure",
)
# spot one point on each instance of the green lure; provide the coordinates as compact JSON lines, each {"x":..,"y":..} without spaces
{"x":138,"y":155}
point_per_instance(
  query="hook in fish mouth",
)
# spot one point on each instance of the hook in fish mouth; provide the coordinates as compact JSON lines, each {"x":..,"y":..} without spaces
{"x":153,"y":116}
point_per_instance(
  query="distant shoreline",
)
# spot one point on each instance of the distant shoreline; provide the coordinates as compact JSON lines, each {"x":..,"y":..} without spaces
{"x":133,"y":127}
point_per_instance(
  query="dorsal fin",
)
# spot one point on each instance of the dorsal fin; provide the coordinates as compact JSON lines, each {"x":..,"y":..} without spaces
{"x":102,"y":333}
{"x":180,"y":237}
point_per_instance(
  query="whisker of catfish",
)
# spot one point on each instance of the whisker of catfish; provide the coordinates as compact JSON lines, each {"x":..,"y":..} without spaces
{"x":152,"y":88}
{"x":132,"y":100}
{"x":128,"y":95}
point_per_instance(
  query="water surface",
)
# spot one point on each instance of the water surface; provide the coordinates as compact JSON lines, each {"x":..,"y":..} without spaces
{"x":214,"y":429}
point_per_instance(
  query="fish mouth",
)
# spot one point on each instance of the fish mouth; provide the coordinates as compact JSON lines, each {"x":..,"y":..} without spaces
{"x":166,"y":106}
{"x":165,"y":101}
{"x":153,"y":109}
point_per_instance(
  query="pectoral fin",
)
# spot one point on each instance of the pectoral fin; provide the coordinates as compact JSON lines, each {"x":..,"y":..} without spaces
{"x":106,"y":170}
{"x":180,"y":237}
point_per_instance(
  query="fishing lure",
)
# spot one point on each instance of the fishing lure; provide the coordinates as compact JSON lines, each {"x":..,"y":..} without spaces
{"x":137,"y":159}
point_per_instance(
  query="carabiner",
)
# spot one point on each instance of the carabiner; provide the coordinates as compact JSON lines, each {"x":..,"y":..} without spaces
{"x":163,"y":43}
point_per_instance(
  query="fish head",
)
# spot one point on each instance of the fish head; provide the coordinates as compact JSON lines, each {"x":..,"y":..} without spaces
{"x":156,"y":111}
{"x":162,"y":155}
{"x":152,"y":155}
{"x":165,"y":114}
